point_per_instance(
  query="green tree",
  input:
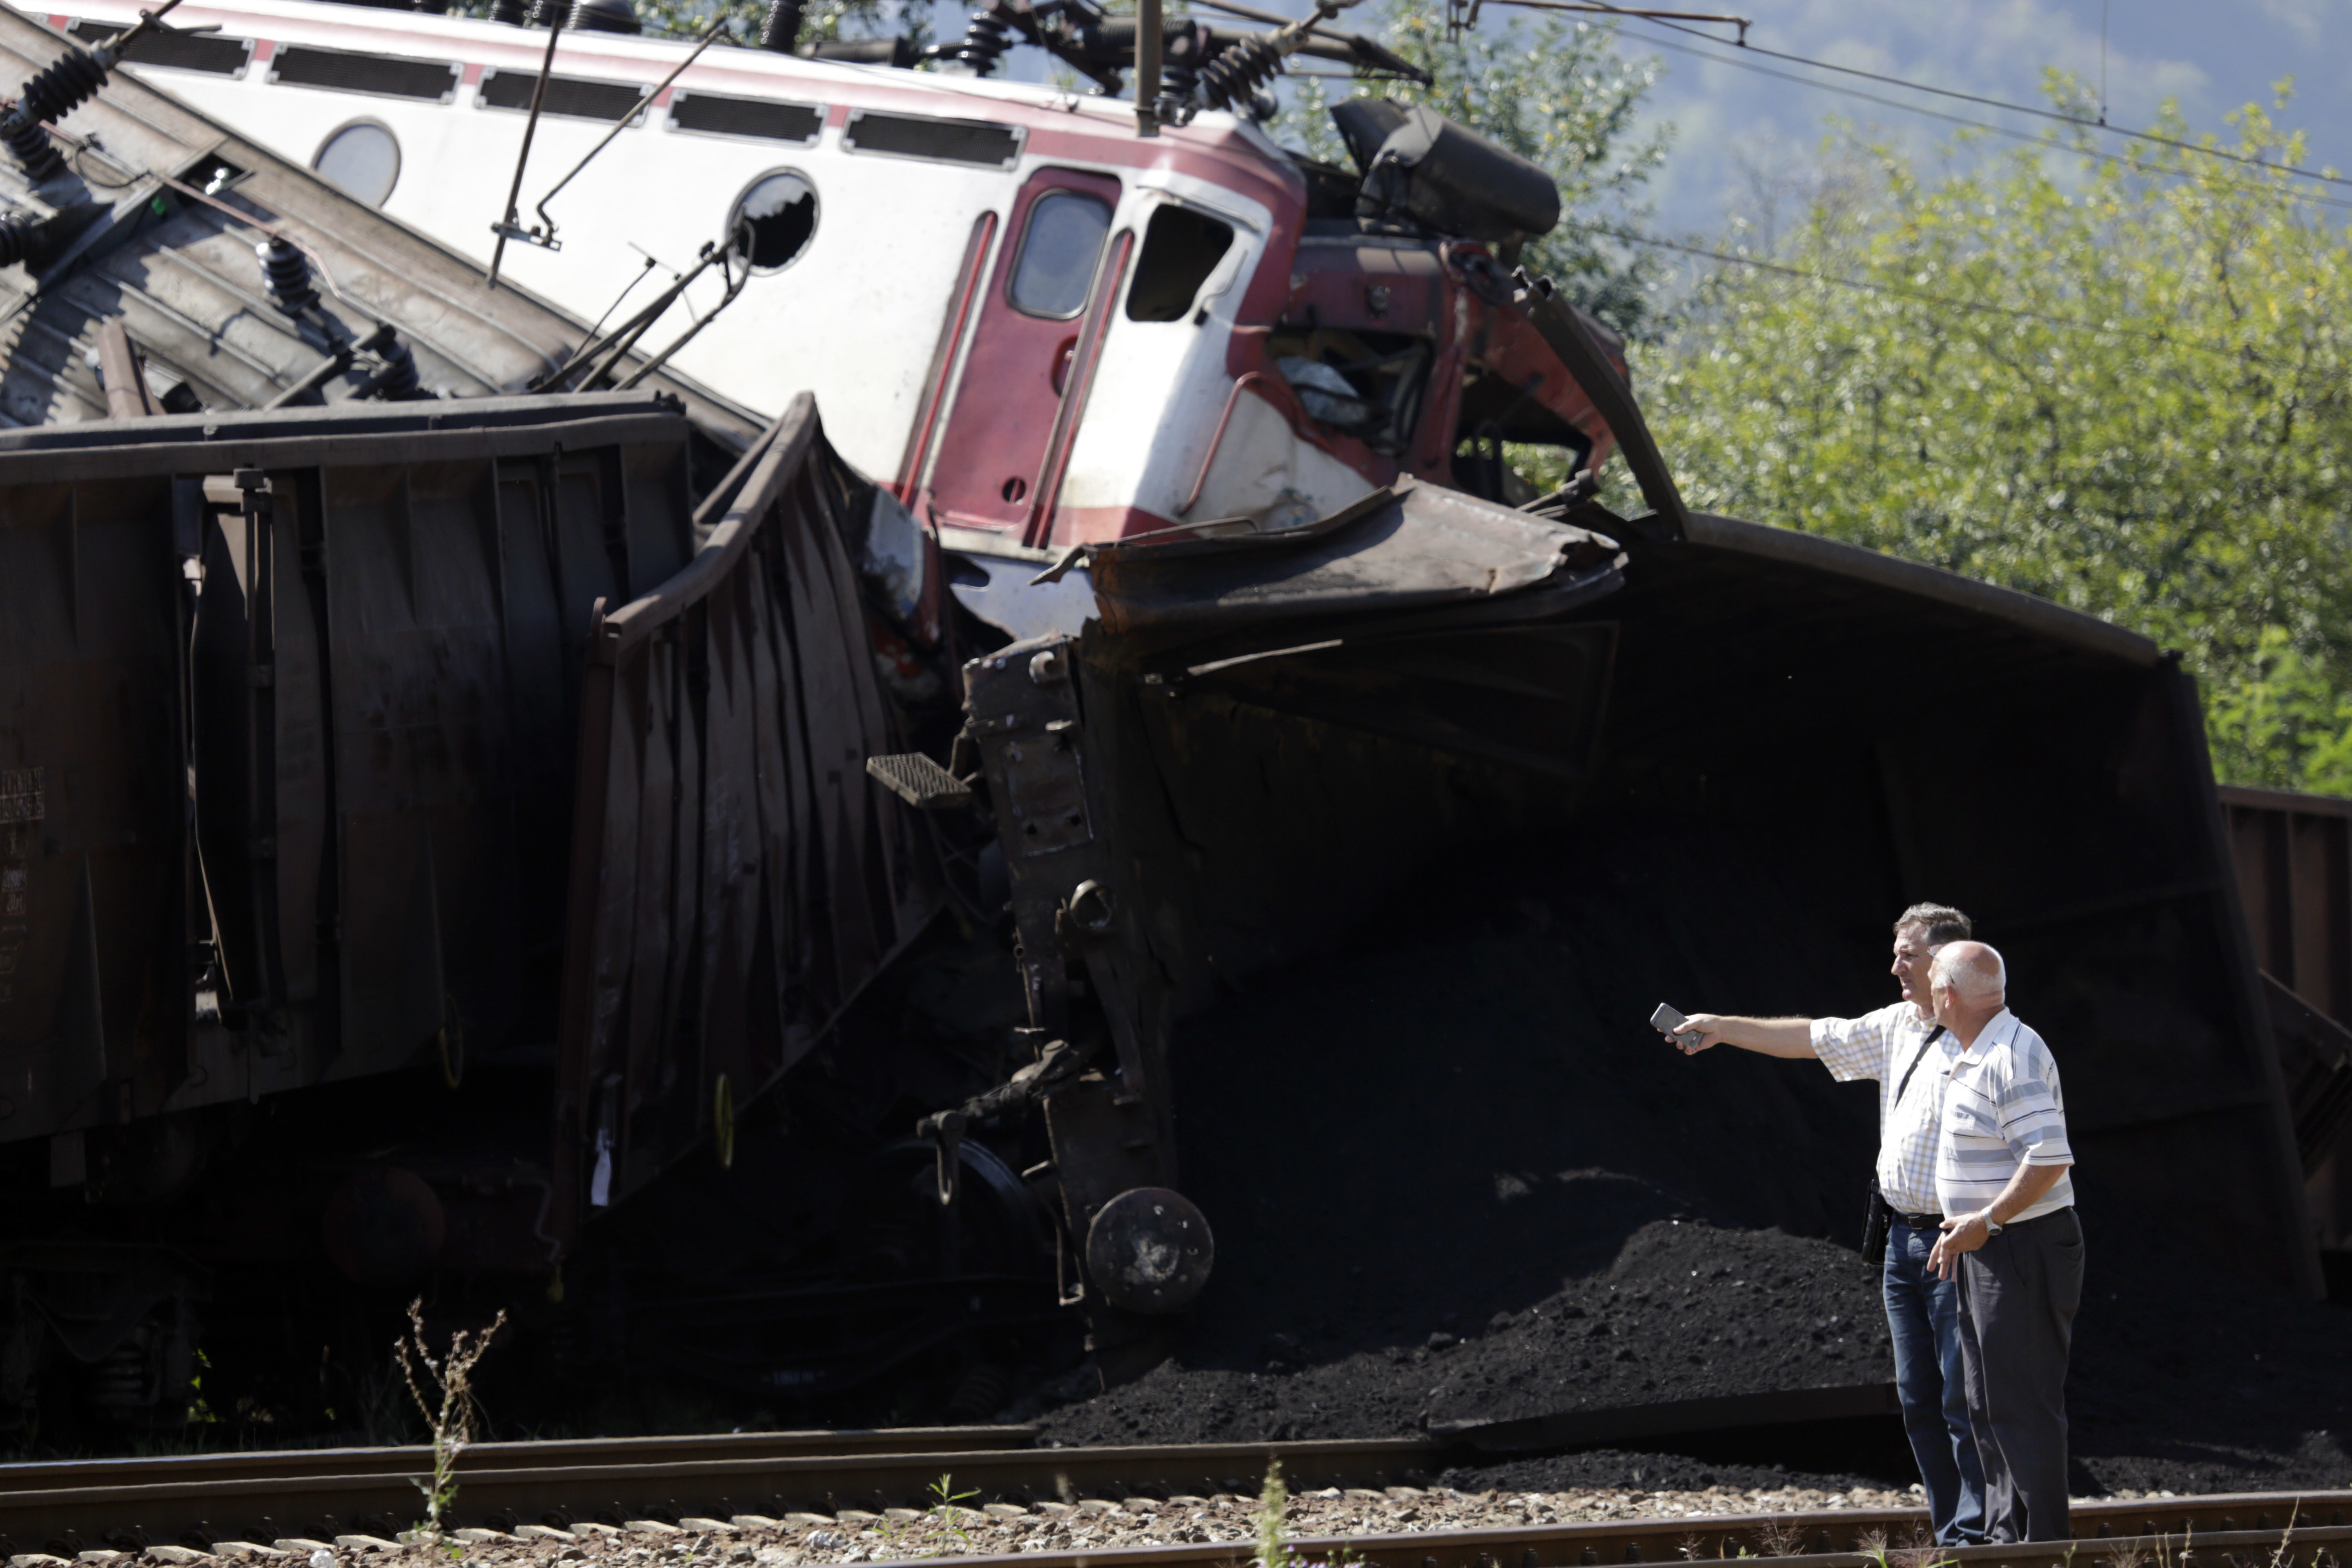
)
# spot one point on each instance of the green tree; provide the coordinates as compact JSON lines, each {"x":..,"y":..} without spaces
{"x":820,"y":19}
{"x":2121,"y":385}
{"x":1557,"y":92}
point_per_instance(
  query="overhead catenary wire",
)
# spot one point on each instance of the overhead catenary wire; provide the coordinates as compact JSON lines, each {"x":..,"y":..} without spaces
{"x":2030,"y":138}
{"x":1922,"y":296}
{"x":2325,"y":176}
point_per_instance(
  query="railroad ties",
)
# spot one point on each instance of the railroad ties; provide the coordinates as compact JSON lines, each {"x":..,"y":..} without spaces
{"x":785,"y":1486}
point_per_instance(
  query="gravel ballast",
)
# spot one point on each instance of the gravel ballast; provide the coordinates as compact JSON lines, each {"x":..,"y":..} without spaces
{"x":953,"y":1529}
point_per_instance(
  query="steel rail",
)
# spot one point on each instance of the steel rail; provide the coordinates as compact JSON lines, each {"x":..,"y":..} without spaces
{"x":45,"y":1474}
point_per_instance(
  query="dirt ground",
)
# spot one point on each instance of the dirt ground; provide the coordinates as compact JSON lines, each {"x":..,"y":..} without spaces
{"x":1454,"y":1176}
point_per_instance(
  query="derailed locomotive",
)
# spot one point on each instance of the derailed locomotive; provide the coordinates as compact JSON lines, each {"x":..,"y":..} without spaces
{"x":431,"y":823}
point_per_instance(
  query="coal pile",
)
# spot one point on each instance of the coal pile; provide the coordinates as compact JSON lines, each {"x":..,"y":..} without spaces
{"x":1454,"y":1176}
{"x":1686,"y":1312}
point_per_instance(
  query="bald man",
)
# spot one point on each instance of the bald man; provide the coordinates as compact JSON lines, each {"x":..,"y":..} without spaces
{"x":2010,"y":1237}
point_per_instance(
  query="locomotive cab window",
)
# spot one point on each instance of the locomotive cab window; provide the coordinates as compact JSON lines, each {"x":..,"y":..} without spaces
{"x":1181,"y":249}
{"x":1362,"y":383}
{"x":1059,"y":249}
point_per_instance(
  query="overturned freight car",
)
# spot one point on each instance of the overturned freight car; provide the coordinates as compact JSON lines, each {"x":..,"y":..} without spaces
{"x":293,"y":705}
{"x":298,"y":574}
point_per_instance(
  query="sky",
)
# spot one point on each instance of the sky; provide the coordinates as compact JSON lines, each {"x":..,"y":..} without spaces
{"x":1734,"y":131}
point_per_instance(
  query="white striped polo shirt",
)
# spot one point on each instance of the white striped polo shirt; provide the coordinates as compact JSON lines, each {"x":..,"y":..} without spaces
{"x":2003,"y":1108}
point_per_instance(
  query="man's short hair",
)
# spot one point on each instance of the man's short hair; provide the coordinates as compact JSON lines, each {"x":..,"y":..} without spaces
{"x":1944,"y":923}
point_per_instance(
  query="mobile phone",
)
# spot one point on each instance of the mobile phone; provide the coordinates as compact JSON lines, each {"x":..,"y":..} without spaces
{"x":1667,"y":1021}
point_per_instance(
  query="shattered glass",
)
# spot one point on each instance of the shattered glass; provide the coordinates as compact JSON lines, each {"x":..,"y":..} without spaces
{"x":1323,"y":392}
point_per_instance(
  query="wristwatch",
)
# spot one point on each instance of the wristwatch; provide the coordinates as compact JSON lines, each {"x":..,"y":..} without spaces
{"x":1993,"y":1226}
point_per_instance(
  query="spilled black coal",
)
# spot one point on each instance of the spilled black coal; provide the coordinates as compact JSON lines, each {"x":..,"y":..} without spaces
{"x":1455,"y":1177}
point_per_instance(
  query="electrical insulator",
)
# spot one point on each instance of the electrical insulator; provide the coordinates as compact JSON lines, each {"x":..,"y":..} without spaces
{"x":780,"y":32}
{"x":287,"y":272}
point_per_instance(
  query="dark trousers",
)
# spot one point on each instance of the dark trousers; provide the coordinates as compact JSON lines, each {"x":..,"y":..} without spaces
{"x":2018,"y":1296}
{"x":1922,"y":1317}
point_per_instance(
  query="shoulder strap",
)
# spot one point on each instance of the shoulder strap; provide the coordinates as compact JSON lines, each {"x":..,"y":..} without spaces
{"x":1933,"y":1035}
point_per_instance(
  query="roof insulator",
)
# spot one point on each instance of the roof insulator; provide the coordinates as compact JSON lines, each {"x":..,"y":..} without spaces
{"x":398,"y":381}
{"x":287,"y":272}
{"x":28,"y":141}
{"x":780,"y":32}
{"x":73,"y":78}
{"x":604,"y":16}
{"x":20,"y":234}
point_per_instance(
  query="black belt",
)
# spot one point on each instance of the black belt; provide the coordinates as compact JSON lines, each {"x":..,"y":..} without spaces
{"x":1935,"y":1222}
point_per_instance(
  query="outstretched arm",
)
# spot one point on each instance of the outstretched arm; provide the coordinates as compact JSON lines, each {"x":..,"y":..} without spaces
{"x":1790,"y":1037}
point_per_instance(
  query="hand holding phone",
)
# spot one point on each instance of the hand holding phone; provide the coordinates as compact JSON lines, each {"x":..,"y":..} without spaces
{"x":1671,"y":1023}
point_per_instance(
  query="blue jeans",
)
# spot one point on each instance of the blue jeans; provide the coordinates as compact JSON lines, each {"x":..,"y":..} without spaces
{"x":1922,"y":1315}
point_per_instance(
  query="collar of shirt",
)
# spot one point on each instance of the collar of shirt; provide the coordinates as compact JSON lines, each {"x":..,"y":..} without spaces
{"x":2001,"y":1027}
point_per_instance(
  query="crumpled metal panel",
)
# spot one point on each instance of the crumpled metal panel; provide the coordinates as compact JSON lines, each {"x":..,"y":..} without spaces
{"x":737,"y":877}
{"x":1409,"y":547}
{"x":377,"y":803}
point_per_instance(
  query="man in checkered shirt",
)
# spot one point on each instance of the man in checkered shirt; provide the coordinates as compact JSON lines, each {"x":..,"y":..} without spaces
{"x":1910,"y":1055}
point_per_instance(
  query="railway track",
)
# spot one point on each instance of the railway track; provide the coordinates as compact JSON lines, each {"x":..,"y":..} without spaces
{"x":194,"y":1501}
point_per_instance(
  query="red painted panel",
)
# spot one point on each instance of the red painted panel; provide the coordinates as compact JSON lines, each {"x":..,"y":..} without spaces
{"x":1003,"y":414}
{"x":944,"y":358}
{"x":1506,"y":341}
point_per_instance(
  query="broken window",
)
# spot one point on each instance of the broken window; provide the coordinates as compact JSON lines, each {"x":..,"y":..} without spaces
{"x":1362,"y":383}
{"x":1058,"y":252}
{"x":1496,"y":414}
{"x":1181,"y":249}
{"x":780,"y":209}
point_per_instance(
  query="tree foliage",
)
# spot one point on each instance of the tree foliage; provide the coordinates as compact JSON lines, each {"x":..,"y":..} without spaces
{"x":2121,"y":385}
{"x":820,"y":20}
{"x":1557,"y":92}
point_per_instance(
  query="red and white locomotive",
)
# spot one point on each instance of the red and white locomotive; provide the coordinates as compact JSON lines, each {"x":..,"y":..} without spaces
{"x":1039,"y":327}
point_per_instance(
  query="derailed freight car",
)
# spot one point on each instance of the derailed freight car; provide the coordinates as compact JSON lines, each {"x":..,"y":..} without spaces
{"x":1256,"y":736}
{"x":293,"y":707}
{"x":433,"y":825}
{"x":289,"y":701}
